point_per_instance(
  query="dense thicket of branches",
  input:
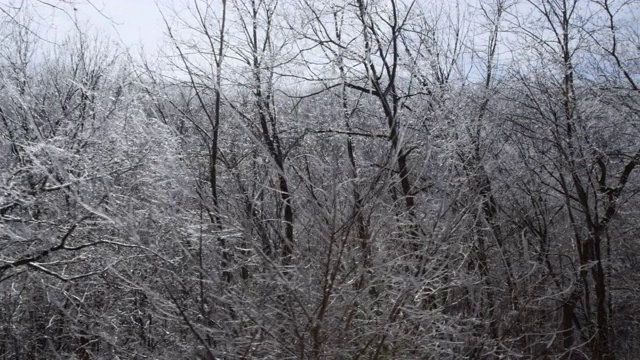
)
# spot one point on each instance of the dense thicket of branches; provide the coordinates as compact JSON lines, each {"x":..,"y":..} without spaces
{"x":297,"y":179}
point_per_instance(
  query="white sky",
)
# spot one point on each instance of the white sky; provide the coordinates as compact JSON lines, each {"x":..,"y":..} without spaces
{"x":138,"y":23}
{"x":130,"y":22}
{"x":133,"y":21}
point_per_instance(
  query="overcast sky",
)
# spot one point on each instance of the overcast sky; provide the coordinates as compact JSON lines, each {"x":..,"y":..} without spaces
{"x":132,"y":22}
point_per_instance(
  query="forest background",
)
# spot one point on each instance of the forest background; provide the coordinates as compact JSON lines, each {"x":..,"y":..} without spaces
{"x":299,"y":179}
